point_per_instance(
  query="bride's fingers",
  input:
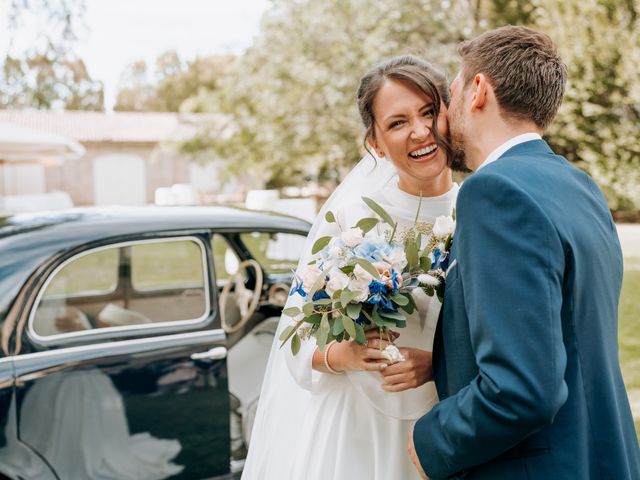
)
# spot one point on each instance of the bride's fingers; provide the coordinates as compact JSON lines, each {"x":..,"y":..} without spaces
{"x":373,"y":366}
{"x":398,"y":387}
{"x":373,"y":353}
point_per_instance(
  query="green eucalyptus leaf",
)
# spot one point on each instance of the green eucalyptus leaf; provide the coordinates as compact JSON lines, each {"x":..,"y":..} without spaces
{"x":360,"y":336}
{"x":313,"y":319}
{"x":379,"y":210}
{"x":286,"y":333}
{"x":366,"y":224}
{"x":292,"y":311}
{"x":330,"y":217}
{"x":347,"y":296}
{"x":338,"y":326}
{"x":425,"y":263}
{"x":400,"y":299}
{"x":377,"y":319}
{"x":291,"y":329}
{"x":323,"y":332}
{"x":347,"y":269}
{"x":349,"y":326}
{"x":391,"y":315}
{"x":353,"y":310}
{"x":308,"y":308}
{"x":322,"y":301}
{"x":320,"y":244}
{"x":411,"y":251}
{"x":295,"y":344}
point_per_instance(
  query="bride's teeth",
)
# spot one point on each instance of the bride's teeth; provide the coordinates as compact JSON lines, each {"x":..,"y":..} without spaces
{"x":423,"y":151}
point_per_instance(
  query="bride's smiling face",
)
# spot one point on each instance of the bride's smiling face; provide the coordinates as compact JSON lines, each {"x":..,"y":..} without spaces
{"x":404,"y":118}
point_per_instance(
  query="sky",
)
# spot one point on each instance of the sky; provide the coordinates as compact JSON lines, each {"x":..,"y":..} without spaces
{"x":122,"y":31}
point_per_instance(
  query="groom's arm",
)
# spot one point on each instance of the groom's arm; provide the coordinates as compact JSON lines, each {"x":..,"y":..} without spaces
{"x":511,"y":264}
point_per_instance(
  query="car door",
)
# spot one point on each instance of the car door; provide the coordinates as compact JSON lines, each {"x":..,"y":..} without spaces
{"x":122,"y":373}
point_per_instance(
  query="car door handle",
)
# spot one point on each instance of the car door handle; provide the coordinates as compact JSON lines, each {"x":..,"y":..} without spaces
{"x":216,"y":353}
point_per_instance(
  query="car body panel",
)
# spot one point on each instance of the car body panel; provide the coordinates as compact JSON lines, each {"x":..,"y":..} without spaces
{"x":66,"y":398}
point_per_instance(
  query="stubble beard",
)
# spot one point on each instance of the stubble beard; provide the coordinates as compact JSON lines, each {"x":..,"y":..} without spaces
{"x":457,"y":161}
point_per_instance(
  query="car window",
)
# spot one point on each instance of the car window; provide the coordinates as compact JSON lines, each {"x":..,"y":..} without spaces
{"x":130,"y":284}
{"x":87,"y":275}
{"x":276,"y":252}
{"x":166,"y":265}
{"x":225,"y":259}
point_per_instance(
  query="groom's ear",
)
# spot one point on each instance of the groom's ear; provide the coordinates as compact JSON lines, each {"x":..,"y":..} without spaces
{"x":480,"y":89}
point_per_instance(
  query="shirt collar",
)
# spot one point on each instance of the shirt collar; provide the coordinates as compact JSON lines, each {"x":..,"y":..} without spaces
{"x":512,"y":142}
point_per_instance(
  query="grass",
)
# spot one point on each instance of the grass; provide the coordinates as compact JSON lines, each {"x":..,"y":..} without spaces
{"x":629,"y":329}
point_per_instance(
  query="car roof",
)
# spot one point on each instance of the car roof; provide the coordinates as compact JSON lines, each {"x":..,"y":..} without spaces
{"x":26,"y":240}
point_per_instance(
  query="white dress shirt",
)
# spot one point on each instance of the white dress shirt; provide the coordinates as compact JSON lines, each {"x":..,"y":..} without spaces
{"x":512,"y":142}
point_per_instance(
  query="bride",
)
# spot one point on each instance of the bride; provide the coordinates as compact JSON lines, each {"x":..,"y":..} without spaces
{"x":346,"y":415}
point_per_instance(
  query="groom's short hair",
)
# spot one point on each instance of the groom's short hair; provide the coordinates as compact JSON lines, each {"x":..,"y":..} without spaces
{"x":524,"y":68}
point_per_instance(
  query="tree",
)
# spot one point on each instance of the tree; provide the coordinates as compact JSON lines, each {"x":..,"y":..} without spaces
{"x":173,"y":82}
{"x":598,"y":124}
{"x":290,"y":101}
{"x":49,"y":74}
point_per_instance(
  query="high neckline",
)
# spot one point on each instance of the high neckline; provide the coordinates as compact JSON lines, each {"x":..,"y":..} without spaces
{"x":406,"y":204}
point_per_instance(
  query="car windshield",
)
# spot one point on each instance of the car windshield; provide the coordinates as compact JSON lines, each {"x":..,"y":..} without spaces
{"x":275,"y":252}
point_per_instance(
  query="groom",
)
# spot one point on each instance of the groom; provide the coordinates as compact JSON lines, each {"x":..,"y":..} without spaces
{"x":526,"y":355}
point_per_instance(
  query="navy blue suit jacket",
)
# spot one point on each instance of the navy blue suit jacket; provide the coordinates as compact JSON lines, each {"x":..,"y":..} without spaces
{"x":526,"y":352}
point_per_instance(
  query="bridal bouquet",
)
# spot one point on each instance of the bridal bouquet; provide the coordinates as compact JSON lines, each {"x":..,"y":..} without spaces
{"x":361,"y":280}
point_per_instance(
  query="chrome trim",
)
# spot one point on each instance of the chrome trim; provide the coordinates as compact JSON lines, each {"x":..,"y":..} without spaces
{"x":122,"y":347}
{"x":215,"y":353}
{"x":100,"y":333}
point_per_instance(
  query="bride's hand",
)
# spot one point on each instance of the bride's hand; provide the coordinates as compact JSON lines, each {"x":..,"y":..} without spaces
{"x":414,"y":371}
{"x":351,"y":355}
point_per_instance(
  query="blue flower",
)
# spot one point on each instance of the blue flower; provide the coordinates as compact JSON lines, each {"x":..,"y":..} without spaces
{"x":444,"y":261}
{"x":436,"y":258}
{"x":378,"y":291}
{"x":372,"y":250}
{"x":320,"y":294}
{"x":395,"y":277}
{"x":296,"y":287}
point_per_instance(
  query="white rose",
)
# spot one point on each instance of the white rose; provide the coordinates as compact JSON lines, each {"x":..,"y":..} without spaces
{"x":392,"y":354}
{"x":310,"y":277}
{"x":398,"y":259}
{"x":360,"y":285}
{"x":445,"y":225}
{"x":426,"y":279}
{"x":337,"y":281}
{"x":352,"y":237}
{"x":362,"y":275}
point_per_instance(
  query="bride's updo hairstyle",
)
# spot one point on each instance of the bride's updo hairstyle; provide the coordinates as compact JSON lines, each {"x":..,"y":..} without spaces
{"x":412,"y":71}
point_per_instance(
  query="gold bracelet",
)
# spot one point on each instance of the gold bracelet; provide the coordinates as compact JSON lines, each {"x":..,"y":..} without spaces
{"x":326,"y":359}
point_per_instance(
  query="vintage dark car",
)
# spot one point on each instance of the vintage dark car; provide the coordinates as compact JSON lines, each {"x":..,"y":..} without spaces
{"x":134,"y":340}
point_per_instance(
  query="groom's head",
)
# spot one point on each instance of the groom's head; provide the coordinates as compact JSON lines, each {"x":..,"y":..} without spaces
{"x":514,"y":73}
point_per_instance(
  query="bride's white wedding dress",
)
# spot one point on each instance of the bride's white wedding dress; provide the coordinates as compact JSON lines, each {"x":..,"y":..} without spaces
{"x":317,"y":426}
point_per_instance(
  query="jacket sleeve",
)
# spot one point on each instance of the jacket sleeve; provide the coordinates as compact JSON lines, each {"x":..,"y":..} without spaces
{"x":511,"y":264}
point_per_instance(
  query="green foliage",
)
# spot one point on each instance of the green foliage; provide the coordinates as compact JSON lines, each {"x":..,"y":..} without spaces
{"x":290,"y":104}
{"x":597,"y":126}
{"x":290,"y":100}
{"x":173,"y":82}
{"x":48,"y":74}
